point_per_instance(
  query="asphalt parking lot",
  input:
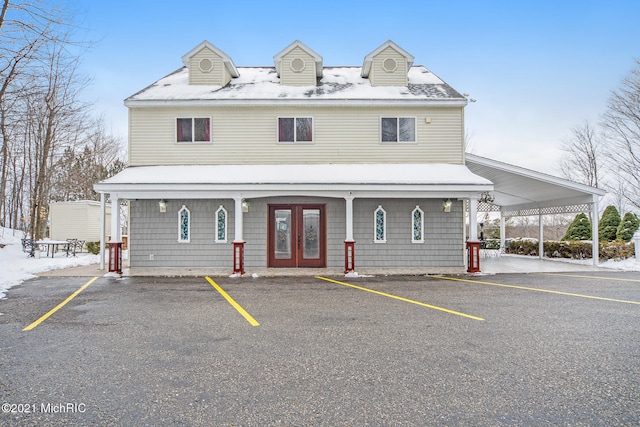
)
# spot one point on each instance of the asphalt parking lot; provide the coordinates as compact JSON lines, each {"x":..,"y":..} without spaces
{"x":506,"y":349}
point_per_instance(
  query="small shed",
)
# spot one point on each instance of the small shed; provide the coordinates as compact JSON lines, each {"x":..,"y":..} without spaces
{"x":77,"y":220}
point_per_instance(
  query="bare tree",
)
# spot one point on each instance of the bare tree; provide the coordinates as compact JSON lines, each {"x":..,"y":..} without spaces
{"x":583,"y":149}
{"x":57,"y":112}
{"x":622,"y":124}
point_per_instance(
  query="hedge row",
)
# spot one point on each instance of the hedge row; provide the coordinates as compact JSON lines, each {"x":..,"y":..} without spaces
{"x":571,"y":249}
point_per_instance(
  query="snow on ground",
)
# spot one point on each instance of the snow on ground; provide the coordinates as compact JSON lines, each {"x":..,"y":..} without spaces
{"x":16,"y":266}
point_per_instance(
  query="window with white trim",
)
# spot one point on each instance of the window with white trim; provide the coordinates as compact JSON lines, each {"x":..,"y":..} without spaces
{"x":193,"y":129}
{"x":380,"y":225}
{"x":221,"y":225}
{"x":398,"y":129}
{"x":295,"y":129}
{"x":184,"y":225}
{"x":417,"y":225}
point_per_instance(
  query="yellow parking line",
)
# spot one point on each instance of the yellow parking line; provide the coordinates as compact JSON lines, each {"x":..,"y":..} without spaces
{"x":615,"y":279}
{"x":401,"y":298}
{"x":59,"y":306}
{"x":535,"y":289}
{"x":232,"y":302}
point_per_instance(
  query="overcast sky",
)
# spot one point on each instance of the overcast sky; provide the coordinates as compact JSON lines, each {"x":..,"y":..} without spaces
{"x":536,"y":68}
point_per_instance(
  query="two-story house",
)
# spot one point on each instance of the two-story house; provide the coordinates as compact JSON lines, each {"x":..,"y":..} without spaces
{"x":298,"y":165}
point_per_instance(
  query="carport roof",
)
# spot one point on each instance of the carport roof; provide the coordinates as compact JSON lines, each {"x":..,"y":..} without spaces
{"x":520,"y":189}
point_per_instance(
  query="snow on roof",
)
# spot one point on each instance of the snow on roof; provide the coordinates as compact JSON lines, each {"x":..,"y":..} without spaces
{"x":410,"y":174}
{"x":262,"y":83}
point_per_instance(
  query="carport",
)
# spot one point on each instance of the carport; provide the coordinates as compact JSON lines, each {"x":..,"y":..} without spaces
{"x":524,"y":192}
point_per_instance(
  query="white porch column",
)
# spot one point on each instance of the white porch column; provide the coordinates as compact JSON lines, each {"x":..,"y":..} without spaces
{"x":115,"y":219}
{"x":349,"y":243}
{"x":103,"y":228}
{"x":238,"y":241}
{"x":540,"y":236}
{"x":238,"y":235}
{"x":349,"y":218}
{"x":595,"y":236}
{"x":503,"y":232}
{"x":473,"y":220}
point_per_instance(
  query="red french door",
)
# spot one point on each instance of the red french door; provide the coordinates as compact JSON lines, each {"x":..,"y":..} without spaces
{"x":297,"y":236}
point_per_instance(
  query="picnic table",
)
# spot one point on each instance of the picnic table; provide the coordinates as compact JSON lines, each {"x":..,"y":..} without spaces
{"x":53,"y":245}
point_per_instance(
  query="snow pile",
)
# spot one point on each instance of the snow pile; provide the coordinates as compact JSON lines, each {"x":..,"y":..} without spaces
{"x":16,"y":266}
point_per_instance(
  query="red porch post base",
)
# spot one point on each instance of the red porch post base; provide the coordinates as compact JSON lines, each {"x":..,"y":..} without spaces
{"x":115,"y":257}
{"x":349,"y":256}
{"x":473,"y":249}
{"x":238,"y":257}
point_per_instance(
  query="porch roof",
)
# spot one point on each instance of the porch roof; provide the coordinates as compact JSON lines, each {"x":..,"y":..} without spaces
{"x":333,"y":180}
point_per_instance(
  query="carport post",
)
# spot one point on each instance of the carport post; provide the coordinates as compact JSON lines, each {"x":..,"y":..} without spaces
{"x":595,"y":238}
{"x":503,"y":231}
{"x":540,"y":235}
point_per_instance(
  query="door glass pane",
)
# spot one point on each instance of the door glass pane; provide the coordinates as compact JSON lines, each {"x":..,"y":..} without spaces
{"x":283,"y":234}
{"x":311,"y":226}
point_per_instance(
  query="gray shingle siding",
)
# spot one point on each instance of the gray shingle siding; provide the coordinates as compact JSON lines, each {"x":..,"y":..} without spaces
{"x":155,"y":233}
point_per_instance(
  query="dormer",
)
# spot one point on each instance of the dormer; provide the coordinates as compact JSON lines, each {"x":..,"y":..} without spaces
{"x":298,"y":65}
{"x":388,"y":65}
{"x":208,"y":65}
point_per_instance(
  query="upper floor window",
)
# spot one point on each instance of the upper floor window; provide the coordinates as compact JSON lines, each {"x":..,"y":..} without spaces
{"x":398,"y":129}
{"x":193,"y":129}
{"x":295,"y":129}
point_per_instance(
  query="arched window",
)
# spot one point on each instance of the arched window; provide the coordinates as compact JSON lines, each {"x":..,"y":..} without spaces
{"x":221,"y":225}
{"x":380,"y":225}
{"x":184,"y":225}
{"x":417,"y":225}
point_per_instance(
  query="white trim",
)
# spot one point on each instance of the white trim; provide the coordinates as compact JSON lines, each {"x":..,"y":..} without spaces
{"x":226,"y":225}
{"x":415,"y":130}
{"x":375,"y":225}
{"x":193,"y":127}
{"x":275,"y":102}
{"x":413,"y":240}
{"x":180,"y":239}
{"x":295,"y":130}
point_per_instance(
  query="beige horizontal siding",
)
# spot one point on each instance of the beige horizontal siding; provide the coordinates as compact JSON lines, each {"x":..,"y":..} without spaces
{"x":306,"y":77}
{"x":218,"y":74}
{"x":380,"y":77}
{"x":249,"y":136}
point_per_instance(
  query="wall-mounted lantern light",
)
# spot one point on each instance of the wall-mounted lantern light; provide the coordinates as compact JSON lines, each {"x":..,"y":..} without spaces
{"x":446,"y":206}
{"x":245,"y":206}
{"x":163,"y":206}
